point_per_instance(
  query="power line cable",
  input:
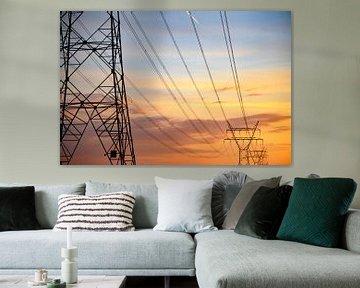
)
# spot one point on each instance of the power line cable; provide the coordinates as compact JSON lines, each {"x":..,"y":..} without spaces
{"x":189,"y":72}
{"x":158,"y":72}
{"x":210,"y":76}
{"x":148,"y":118}
{"x":184,"y":149}
{"x":162,"y":64}
{"x":128,"y":80}
{"x":230,"y":50}
{"x":208,"y":68}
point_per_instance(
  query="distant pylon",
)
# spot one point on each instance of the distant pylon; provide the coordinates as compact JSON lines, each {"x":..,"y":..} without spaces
{"x":104,"y":104}
{"x":250,"y":145}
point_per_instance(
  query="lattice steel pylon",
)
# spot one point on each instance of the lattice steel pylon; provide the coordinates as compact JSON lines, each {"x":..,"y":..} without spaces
{"x":103,"y":105}
{"x":249,"y":143}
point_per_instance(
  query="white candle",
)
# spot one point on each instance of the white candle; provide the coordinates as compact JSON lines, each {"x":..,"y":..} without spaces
{"x":69,"y":237}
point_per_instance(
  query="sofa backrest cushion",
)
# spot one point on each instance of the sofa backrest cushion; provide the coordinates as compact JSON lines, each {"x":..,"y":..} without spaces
{"x":146,"y":203}
{"x":46,"y":200}
{"x":350,"y":238}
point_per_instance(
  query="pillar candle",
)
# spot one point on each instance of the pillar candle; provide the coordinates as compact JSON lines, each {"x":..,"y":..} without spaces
{"x":69,"y":237}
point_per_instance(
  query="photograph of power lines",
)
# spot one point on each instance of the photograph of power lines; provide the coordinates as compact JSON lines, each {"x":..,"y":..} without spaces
{"x":175,"y":87}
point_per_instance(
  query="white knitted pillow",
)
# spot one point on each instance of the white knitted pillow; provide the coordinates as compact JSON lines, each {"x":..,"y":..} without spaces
{"x":105,"y":212}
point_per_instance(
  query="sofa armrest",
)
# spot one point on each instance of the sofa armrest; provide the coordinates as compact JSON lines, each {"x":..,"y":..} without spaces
{"x":351,"y":234}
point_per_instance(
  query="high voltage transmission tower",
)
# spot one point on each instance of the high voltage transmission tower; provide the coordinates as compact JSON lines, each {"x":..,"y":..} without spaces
{"x":103,"y":105}
{"x":250,"y":145}
{"x":251,"y":149}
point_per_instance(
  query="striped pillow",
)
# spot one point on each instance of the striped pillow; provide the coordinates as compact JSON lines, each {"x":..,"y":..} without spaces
{"x":105,"y":212}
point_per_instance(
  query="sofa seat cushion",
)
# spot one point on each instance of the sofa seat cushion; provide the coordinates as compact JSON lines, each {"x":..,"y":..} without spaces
{"x":142,"y":249}
{"x":225,"y":259}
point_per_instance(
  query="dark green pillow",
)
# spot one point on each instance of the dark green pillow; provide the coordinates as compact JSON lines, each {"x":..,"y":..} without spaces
{"x":316,"y":211}
{"x":264,"y":212}
{"x":17,"y":208}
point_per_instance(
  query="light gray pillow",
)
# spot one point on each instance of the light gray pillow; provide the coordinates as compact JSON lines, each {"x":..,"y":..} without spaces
{"x":243,"y":198}
{"x":184,"y":205}
{"x":46,"y":200}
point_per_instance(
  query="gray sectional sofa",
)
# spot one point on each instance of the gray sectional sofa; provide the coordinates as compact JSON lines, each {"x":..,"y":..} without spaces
{"x":219,"y":259}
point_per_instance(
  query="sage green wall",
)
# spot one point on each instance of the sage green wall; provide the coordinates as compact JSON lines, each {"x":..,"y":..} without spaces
{"x":326,"y":91}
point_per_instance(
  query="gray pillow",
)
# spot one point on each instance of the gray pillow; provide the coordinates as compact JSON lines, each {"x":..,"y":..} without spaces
{"x":184,"y":205}
{"x":310,"y":176}
{"x":46,"y":200}
{"x":243,"y":198}
{"x":146,"y":206}
{"x":226,"y":187}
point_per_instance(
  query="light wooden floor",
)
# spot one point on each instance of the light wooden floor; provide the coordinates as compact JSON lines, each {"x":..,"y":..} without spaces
{"x":158,"y":282}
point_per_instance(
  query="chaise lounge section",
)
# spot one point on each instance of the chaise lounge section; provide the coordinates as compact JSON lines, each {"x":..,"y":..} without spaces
{"x":225,"y":259}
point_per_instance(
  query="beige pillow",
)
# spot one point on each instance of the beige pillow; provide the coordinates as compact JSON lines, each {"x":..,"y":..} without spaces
{"x":243,"y":198}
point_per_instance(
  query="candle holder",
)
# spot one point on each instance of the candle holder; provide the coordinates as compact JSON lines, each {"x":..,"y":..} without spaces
{"x":68,"y":265}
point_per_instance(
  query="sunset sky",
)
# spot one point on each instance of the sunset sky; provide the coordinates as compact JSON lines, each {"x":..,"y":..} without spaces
{"x":170,"y":132}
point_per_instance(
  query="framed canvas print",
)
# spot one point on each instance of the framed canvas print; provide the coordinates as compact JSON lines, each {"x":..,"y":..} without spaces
{"x":175,"y":87}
